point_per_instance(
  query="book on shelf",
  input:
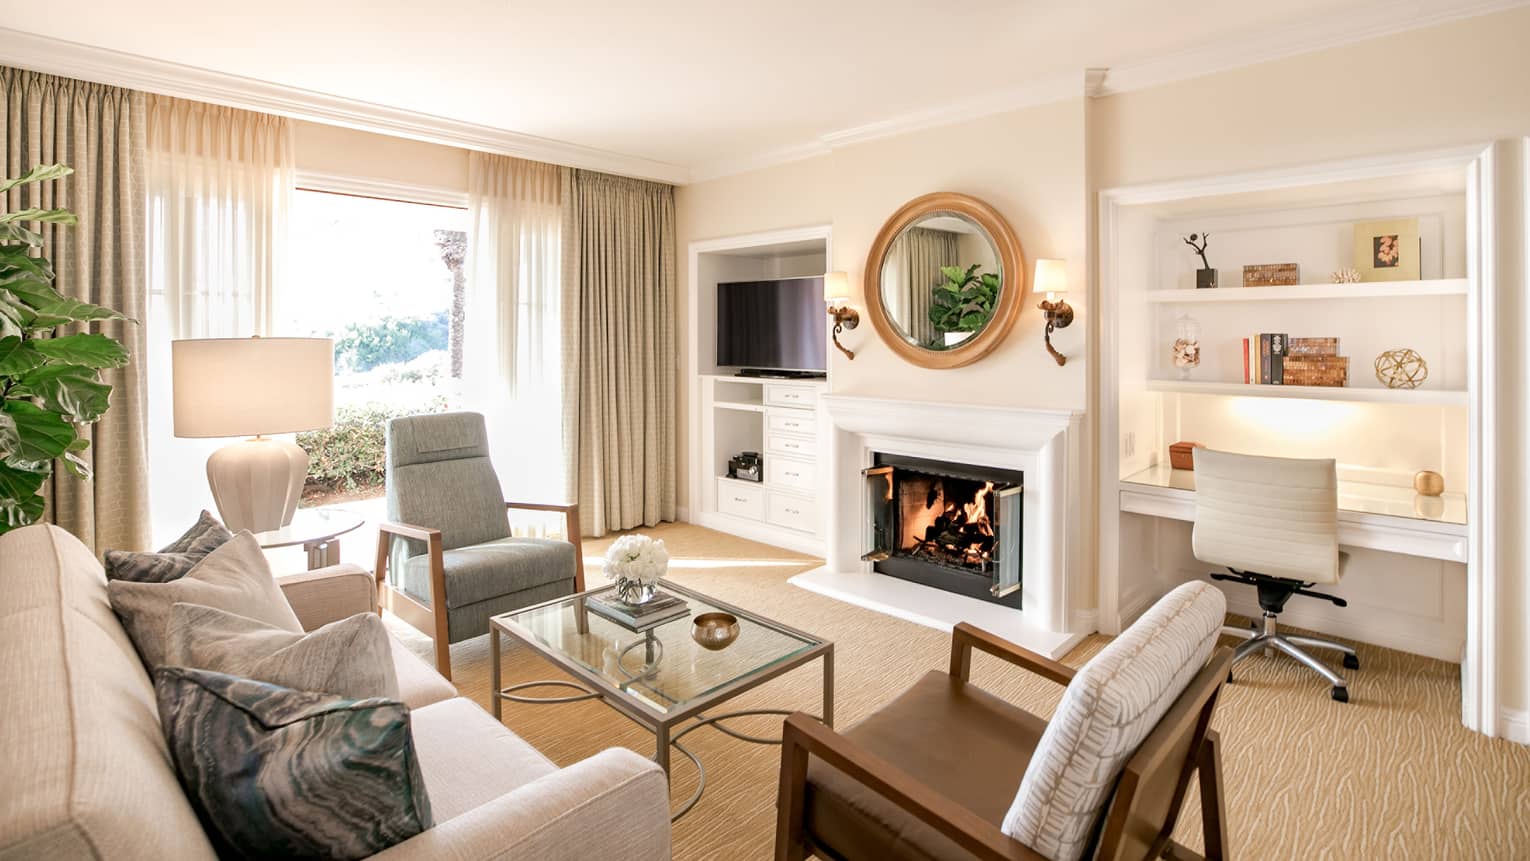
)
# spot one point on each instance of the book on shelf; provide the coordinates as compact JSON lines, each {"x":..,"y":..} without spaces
{"x":1277,"y":359}
{"x":1245,"y":361}
{"x":664,"y":607}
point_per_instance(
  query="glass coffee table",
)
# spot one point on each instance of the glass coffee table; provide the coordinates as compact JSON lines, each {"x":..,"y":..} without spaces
{"x":660,"y":678}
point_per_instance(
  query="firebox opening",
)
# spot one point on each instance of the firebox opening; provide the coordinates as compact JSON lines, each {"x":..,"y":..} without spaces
{"x":952,"y":526}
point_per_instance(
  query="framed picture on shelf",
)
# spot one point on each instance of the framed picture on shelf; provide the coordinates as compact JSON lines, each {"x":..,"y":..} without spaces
{"x":1387,"y":250}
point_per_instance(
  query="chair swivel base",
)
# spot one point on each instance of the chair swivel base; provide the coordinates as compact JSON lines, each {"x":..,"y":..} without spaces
{"x":1256,"y":639}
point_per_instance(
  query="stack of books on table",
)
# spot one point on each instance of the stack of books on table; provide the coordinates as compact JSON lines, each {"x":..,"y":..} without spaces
{"x":638,"y":617}
{"x":1276,"y":359}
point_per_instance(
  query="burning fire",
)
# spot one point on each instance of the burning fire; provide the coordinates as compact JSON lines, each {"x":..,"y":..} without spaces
{"x":950,"y":530}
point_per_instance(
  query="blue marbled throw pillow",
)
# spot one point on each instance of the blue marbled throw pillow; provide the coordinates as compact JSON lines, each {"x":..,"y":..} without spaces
{"x":279,"y":773}
{"x":172,"y":562}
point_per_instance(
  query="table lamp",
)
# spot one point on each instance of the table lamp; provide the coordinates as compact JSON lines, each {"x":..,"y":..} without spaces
{"x":1052,"y":279}
{"x":253,"y":387}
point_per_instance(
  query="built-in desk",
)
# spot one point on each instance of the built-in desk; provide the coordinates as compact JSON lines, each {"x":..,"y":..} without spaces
{"x":1375,"y":516}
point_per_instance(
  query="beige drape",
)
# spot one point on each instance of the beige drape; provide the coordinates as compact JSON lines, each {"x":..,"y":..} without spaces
{"x":619,"y":349}
{"x":919,"y":253}
{"x":514,"y":341}
{"x":220,"y":187}
{"x":100,"y":132}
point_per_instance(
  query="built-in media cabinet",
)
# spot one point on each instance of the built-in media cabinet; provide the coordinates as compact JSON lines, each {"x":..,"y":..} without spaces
{"x":783,"y":422}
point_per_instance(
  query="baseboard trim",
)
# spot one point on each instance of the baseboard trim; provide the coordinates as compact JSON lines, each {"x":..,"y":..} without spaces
{"x":1356,"y":627}
{"x":761,"y":532}
{"x":1514,"y":725}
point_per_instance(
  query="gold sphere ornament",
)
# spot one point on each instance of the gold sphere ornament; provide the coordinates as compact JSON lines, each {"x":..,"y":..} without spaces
{"x":1401,"y":369}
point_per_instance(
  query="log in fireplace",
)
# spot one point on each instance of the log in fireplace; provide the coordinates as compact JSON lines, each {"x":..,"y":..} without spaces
{"x":952,"y":526}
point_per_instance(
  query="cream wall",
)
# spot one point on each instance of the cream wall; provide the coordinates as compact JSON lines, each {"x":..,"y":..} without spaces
{"x":347,"y":152}
{"x":1463,"y":82}
{"x":1028,"y":165}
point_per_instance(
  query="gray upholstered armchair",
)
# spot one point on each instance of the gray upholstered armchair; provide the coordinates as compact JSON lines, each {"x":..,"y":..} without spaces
{"x":457,"y":565}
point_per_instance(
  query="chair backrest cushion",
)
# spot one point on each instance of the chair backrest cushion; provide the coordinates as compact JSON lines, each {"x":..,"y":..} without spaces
{"x":439,"y":475}
{"x":86,"y":770}
{"x":1111,"y":705}
{"x":1270,"y":515}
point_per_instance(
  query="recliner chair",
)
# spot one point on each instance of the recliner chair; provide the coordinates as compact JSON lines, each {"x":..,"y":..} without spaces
{"x":464,"y":567}
{"x":1273,"y":522}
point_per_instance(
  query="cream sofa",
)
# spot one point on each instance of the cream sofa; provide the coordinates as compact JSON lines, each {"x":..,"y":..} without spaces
{"x":85,"y":773}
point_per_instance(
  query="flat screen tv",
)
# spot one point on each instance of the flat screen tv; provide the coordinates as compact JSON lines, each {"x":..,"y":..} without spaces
{"x":775,"y":325}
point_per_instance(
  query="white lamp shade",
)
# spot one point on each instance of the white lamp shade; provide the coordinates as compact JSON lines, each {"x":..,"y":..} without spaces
{"x":226,"y":387}
{"x":836,"y":287}
{"x":1051,"y":276}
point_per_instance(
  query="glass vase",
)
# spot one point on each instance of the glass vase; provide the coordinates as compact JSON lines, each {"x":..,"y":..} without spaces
{"x":635,"y":592}
{"x":1186,"y":352}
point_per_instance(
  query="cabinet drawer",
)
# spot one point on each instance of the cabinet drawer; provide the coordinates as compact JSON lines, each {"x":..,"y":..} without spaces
{"x":740,"y":499}
{"x":785,"y":443}
{"x":798,"y":474}
{"x":793,"y":512}
{"x":777,"y":395}
{"x":790,"y":421}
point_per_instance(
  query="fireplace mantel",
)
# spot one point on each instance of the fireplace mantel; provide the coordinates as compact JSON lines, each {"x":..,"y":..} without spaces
{"x":1044,"y":444}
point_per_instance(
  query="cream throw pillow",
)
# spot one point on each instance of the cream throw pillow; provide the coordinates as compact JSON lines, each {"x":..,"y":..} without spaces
{"x":235,"y":577}
{"x":349,"y":658}
{"x":1111,"y":705}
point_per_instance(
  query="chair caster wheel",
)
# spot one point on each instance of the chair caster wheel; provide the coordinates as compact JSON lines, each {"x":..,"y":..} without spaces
{"x":1351,"y":662}
{"x":1340,"y":693}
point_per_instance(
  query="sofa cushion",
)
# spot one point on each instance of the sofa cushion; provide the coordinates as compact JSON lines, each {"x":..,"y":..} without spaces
{"x":235,"y":577}
{"x":279,"y":773}
{"x":348,"y":658}
{"x":1111,"y":705}
{"x":173,"y":561}
{"x":486,"y":571}
{"x":469,"y":758}
{"x":418,"y":682}
{"x":87,"y":773}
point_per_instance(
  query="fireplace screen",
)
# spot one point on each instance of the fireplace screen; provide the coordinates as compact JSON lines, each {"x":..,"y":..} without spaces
{"x":952,"y":526}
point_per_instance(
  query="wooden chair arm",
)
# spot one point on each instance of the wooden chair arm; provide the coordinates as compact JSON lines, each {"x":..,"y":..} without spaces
{"x":955,"y":822}
{"x":406,"y":530}
{"x":564,"y":507}
{"x":571,"y":530}
{"x":432,"y":537}
{"x":965,"y":638}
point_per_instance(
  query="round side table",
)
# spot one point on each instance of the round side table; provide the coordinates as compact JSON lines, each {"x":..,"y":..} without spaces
{"x":318,"y":530}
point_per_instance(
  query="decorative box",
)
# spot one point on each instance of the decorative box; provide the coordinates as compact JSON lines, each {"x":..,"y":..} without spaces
{"x":1181,"y":455}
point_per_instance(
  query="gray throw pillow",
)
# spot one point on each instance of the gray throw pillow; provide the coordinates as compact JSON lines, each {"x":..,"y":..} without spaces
{"x":172,"y":562}
{"x":348,"y":658}
{"x":235,"y":577}
{"x":278,"y":773}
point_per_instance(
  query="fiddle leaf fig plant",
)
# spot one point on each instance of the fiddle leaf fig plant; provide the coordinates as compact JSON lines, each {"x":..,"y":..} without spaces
{"x":50,"y":384}
{"x":965,"y":302}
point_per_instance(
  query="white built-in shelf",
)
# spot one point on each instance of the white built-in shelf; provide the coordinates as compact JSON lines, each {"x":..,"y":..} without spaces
{"x":1313,"y":292}
{"x":1426,"y":397}
{"x":739,"y":405}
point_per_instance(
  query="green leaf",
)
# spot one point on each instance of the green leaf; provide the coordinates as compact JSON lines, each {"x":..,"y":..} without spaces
{"x":40,"y":173}
{"x":10,"y":438}
{"x":41,"y":216}
{"x":90,"y":350}
{"x":21,"y":501}
{"x":17,"y":233}
{"x":78,"y":466}
{"x":74,"y":391}
{"x":42,"y":435}
{"x":54,"y":309}
{"x":17,"y":357}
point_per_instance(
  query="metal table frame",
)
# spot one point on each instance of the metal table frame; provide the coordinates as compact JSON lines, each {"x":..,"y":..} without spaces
{"x":668,"y":727}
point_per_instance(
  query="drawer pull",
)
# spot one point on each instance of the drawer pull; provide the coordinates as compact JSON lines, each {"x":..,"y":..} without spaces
{"x":791,"y":474}
{"x":792,"y":511}
{"x":739,"y":499}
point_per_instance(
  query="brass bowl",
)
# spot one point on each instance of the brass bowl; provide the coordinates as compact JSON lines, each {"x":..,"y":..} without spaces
{"x":715,"y":631}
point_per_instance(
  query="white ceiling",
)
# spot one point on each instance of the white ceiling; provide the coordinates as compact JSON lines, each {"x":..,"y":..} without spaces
{"x":703,"y":85}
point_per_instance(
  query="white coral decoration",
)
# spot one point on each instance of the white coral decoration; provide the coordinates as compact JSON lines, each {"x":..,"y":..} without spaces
{"x":636,"y":557}
{"x":1347,"y":276}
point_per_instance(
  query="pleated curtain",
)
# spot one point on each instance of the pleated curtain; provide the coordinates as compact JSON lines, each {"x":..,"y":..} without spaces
{"x":514,"y":334}
{"x":99,"y":131}
{"x":619,"y":349}
{"x":920,"y":252}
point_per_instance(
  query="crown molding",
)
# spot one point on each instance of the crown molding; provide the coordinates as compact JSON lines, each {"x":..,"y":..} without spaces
{"x":105,"y":66}
{"x":756,"y":161}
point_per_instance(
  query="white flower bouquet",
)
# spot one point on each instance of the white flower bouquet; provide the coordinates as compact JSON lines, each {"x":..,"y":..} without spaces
{"x":635,"y":563}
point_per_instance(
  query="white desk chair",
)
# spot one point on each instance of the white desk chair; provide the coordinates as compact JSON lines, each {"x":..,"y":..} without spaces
{"x":1273,"y":522}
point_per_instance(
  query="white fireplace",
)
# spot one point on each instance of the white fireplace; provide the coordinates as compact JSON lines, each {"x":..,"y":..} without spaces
{"x":1045,"y":445}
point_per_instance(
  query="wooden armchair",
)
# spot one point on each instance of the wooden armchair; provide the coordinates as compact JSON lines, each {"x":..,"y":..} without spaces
{"x":439,"y":473}
{"x":933,"y":774}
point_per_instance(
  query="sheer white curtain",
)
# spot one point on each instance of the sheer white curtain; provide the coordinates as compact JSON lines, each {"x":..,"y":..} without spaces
{"x":514,"y":346}
{"x":220,"y":183}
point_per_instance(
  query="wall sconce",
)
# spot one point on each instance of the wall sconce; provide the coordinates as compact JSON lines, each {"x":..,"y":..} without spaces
{"x":836,"y":294}
{"x":1052,"y":279}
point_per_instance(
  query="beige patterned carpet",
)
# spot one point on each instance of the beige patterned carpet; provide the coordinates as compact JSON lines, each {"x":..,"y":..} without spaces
{"x":1392,"y":775}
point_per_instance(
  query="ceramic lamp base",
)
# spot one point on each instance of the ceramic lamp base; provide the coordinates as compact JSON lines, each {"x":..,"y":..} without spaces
{"x":257,"y":483}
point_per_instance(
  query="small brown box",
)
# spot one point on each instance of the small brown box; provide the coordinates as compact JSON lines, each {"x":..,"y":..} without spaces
{"x":1182,"y":455}
{"x":1271,"y":275}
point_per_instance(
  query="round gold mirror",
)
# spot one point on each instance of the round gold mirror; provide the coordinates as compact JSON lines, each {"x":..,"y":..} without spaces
{"x":945,"y":280}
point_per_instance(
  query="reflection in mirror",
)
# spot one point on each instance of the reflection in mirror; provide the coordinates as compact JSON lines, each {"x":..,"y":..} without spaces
{"x":940,"y":280}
